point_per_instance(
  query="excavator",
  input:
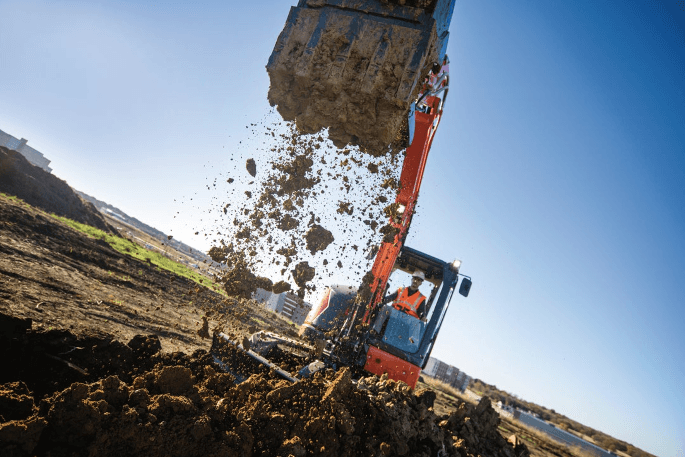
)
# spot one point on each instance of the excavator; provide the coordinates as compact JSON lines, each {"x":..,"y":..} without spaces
{"x":335,"y":61}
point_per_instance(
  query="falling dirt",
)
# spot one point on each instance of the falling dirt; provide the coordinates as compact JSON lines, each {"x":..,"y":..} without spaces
{"x":280,"y":287}
{"x":318,"y":238}
{"x":285,"y":215}
{"x":287,"y":222}
{"x":251,"y":167}
{"x":302,"y":274}
{"x":240,"y":281}
{"x":389,"y":233}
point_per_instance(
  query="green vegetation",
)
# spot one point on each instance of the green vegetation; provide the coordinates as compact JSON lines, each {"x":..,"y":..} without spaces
{"x":136,"y":251}
{"x":129,"y":248}
{"x":15,"y":199}
{"x":258,"y":321}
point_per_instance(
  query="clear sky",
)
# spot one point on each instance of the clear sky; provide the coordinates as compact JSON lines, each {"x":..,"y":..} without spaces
{"x":557,"y":175}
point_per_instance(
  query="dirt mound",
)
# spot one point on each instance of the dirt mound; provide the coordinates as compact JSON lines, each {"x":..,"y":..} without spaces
{"x":43,"y":190}
{"x":64,"y":394}
{"x":476,"y":430}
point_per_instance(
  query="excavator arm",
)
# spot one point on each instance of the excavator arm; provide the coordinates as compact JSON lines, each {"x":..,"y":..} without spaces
{"x":427,"y":113}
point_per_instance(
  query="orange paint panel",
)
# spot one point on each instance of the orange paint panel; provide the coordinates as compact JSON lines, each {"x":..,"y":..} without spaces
{"x":379,"y":362}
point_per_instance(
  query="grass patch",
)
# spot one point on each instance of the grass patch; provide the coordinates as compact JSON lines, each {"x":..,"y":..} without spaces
{"x":129,"y":248}
{"x":136,"y":251}
{"x":15,"y":199}
{"x":445,"y":388}
{"x":259,"y":321}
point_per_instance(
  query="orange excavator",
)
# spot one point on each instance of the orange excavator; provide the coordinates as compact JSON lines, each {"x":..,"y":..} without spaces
{"x":351,"y":327}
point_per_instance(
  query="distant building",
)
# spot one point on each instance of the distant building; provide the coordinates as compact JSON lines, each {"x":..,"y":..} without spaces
{"x":560,"y":435}
{"x":290,"y":306}
{"x":114,"y":214}
{"x":33,"y":156}
{"x":447,"y":374}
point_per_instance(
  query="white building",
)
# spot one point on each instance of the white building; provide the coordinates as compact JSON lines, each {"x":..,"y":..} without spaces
{"x":34,"y":157}
{"x":290,"y":306}
{"x":447,"y":373}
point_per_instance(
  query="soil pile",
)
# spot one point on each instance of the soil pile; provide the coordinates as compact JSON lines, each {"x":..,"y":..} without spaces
{"x":37,"y":187}
{"x":64,"y":394}
{"x":475,"y":430}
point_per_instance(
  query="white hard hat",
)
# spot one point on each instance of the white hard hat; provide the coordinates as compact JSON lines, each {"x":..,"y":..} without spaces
{"x":419,"y":274}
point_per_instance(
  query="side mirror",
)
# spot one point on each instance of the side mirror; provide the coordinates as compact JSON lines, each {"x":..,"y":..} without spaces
{"x":465,"y":287}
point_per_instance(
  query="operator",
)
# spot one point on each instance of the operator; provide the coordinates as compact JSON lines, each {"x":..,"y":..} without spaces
{"x":409,"y":299}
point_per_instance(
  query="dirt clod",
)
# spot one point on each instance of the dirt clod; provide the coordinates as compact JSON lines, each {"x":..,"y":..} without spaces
{"x":145,"y":346}
{"x":303,"y":273}
{"x":203,"y":332}
{"x":318,"y":238}
{"x":280,"y":287}
{"x":251,"y":167}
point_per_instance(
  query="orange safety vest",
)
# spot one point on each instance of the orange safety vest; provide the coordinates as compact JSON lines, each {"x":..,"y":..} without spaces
{"x":409,"y":305}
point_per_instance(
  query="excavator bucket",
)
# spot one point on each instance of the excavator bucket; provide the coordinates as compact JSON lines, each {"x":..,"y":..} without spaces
{"x":355,"y":66}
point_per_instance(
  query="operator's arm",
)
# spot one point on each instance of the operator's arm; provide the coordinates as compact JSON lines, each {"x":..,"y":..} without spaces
{"x":389,"y":299}
{"x":422,"y":310}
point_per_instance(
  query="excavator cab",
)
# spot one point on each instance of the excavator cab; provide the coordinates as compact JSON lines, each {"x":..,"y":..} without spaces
{"x":394,"y":342}
{"x":403,"y":331}
{"x":400,"y":344}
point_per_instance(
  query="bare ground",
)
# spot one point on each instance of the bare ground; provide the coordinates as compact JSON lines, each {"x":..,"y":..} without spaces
{"x":102,"y":355}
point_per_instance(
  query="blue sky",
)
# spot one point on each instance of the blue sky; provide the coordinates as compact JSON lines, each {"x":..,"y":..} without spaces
{"x":557,"y":175}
